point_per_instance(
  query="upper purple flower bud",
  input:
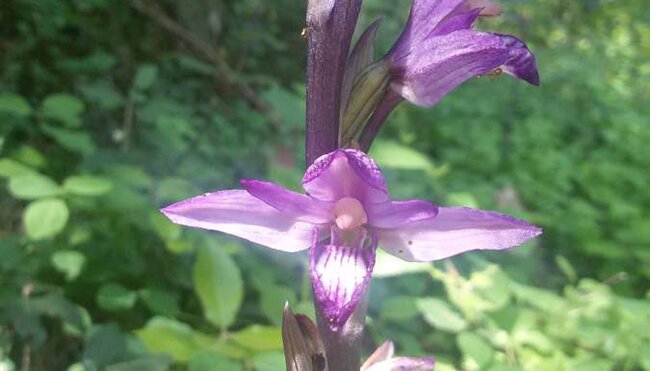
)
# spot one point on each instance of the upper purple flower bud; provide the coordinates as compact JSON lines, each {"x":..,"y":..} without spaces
{"x":438,"y":50}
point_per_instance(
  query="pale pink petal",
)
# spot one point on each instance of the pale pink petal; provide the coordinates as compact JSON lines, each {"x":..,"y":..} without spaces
{"x":453,"y":231}
{"x":405,"y":364}
{"x":238,"y":213}
{"x":299,"y":206}
{"x":384,"y":352}
{"x":345,"y":173}
{"x":394,"y":214}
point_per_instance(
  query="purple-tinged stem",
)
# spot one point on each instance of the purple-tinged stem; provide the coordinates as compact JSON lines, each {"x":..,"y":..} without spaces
{"x":343,"y":347}
{"x":377,"y":119}
{"x":329,"y":34}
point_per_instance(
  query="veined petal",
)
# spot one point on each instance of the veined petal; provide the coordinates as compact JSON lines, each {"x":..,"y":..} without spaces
{"x":384,"y":352}
{"x":521,"y":62}
{"x":455,"y":230}
{"x":456,"y":22}
{"x":238,"y":213}
{"x":345,"y":173}
{"x":424,"y":17}
{"x":340,"y":275}
{"x":299,"y":206}
{"x":431,"y":70}
{"x":394,"y":214}
{"x":405,"y":363}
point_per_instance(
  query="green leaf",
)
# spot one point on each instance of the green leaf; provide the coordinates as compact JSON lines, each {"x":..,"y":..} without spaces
{"x":388,"y":266}
{"x":272,"y":299}
{"x":68,"y":262}
{"x":160,"y":301}
{"x":102,"y":94}
{"x":219,"y":285}
{"x":30,"y":156}
{"x":146,"y":76}
{"x":10,"y":168}
{"x":64,"y":108}
{"x":72,"y":140}
{"x":45,"y":218}
{"x":167,"y":230}
{"x":163,"y":335}
{"x":209,"y":360}
{"x":115,"y":297}
{"x":259,"y":338}
{"x":439,"y":314}
{"x":32,"y":186}
{"x":391,"y":154}
{"x":86,"y":185}
{"x":105,"y":344}
{"x":399,"y":308}
{"x":478,"y":353}
{"x":15,"y":105}
{"x":270,"y":361}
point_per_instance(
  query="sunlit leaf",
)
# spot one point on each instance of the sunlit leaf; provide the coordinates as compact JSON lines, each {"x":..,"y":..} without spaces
{"x":45,"y":218}
{"x":475,"y":349}
{"x":10,"y":168}
{"x":399,"y":308}
{"x":259,"y":338}
{"x":68,"y":262}
{"x":163,"y":335}
{"x":86,"y":185}
{"x":31,"y":186}
{"x":209,"y":360}
{"x":219,"y":285}
{"x":439,"y":314}
{"x":270,"y":361}
{"x":387,"y":265}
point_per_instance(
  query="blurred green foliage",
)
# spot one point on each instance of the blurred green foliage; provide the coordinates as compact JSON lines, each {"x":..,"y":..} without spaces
{"x":107,"y":113}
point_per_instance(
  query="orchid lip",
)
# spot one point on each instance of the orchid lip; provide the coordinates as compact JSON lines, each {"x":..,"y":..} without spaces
{"x":340,"y":276}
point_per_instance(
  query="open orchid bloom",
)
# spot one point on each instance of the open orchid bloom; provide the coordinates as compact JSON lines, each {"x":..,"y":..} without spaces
{"x":438,"y":50}
{"x":382,"y":360}
{"x":344,"y":216}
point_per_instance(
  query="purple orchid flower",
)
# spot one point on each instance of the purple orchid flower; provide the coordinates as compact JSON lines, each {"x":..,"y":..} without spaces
{"x":438,"y":50}
{"x":344,"y":216}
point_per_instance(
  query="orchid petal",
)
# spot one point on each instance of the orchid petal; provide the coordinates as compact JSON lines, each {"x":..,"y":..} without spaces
{"x":456,"y":22}
{"x":340,"y":275}
{"x":405,"y":363}
{"x":521,"y":62}
{"x":424,"y":17}
{"x":384,"y":352}
{"x":397,"y":213}
{"x":345,"y":173}
{"x":238,"y":213}
{"x":296,"y":205}
{"x":431,"y":70}
{"x":453,"y":231}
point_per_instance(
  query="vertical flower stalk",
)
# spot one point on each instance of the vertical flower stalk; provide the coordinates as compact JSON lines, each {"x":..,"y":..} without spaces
{"x":330,"y":25}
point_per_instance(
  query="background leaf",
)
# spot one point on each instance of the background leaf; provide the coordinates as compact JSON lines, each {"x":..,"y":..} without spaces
{"x":45,"y":218}
{"x":218,"y":284}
